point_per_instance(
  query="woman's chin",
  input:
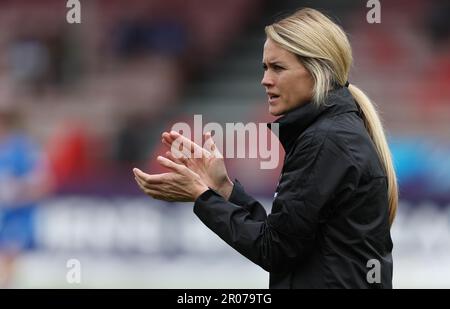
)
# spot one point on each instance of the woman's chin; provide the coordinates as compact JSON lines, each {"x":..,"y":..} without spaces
{"x":274,"y":111}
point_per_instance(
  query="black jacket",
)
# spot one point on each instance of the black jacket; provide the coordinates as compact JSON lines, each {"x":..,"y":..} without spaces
{"x":329,"y":225}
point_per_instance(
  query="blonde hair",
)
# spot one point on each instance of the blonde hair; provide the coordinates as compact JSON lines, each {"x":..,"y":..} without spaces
{"x":323,"y":48}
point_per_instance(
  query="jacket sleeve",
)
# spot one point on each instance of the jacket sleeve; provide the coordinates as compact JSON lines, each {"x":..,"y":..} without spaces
{"x":241,"y":198}
{"x":314,"y":175}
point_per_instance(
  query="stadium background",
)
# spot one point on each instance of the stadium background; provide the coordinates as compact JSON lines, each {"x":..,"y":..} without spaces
{"x":81,"y":104}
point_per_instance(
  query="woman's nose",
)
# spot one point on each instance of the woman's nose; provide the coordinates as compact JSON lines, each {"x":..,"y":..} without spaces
{"x":266,"y":80}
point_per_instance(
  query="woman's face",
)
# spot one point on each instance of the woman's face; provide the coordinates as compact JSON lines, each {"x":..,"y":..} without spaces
{"x":287,"y":82}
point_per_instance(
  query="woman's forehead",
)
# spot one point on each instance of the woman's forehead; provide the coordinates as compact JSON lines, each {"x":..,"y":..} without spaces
{"x":274,"y":53}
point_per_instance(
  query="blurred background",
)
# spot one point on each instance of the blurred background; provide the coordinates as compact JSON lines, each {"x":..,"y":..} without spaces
{"x":82,"y":104}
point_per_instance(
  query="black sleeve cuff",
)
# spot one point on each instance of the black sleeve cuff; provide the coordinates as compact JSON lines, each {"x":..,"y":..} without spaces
{"x":239,"y":196}
{"x":205,"y":196}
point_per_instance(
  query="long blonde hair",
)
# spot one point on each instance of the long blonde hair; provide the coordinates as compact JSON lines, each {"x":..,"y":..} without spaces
{"x":323,"y":48}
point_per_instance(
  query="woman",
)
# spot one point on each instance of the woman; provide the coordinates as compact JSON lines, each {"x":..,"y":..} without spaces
{"x":337,"y":195}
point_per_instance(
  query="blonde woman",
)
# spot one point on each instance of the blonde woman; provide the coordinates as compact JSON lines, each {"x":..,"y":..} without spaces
{"x":337,"y":196}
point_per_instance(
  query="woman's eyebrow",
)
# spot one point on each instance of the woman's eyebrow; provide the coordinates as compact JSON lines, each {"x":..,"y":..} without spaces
{"x":276,"y":62}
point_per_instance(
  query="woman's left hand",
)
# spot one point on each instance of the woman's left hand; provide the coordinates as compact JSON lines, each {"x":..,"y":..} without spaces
{"x":180,"y":185}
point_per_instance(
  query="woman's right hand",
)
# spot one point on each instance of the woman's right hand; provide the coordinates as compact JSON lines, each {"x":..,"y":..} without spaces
{"x":207,"y":162}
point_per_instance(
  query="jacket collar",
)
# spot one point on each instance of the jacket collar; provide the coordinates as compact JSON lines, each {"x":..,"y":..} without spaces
{"x":296,"y":121}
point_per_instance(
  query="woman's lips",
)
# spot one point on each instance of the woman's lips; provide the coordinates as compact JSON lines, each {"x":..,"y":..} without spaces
{"x":273,"y":99}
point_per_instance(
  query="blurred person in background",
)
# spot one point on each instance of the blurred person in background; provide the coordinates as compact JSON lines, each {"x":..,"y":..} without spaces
{"x":337,"y":194}
{"x":24,"y":181}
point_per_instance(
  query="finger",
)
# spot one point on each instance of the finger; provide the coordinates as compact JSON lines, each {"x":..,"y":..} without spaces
{"x":180,"y":160}
{"x":143,"y":183}
{"x":179,"y":149}
{"x":167,"y":139}
{"x":149,"y":186}
{"x":210,"y":145}
{"x":166,"y":143}
{"x":187,"y":149}
{"x":156,"y":194}
{"x":186,"y":146}
{"x":153,"y":191}
{"x":140,"y":183}
{"x":174,"y":134}
{"x":147,"y":178}
{"x":171,"y":165}
{"x":190,"y":145}
{"x":166,"y":135}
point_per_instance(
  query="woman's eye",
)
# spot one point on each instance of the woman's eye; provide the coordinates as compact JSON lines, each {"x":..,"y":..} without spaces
{"x":277,"y":68}
{"x":273,"y":67}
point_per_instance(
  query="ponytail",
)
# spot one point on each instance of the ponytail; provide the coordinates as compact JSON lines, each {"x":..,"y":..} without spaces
{"x":374,"y":126}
